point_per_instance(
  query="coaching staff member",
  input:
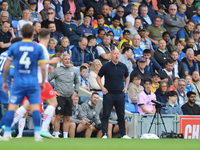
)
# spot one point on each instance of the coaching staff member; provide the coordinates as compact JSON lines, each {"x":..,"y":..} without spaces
{"x":64,"y":77}
{"x":114,"y":92}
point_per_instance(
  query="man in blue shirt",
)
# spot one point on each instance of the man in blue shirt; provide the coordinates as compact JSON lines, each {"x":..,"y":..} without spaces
{"x":196,"y":17}
{"x":85,"y":27}
{"x":100,"y":25}
{"x":25,"y":56}
{"x":137,"y":51}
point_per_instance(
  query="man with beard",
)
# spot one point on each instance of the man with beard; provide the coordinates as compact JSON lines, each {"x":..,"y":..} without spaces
{"x":191,"y":44}
{"x":34,"y":16}
{"x":105,"y":13}
{"x":181,"y":91}
{"x":37,"y":27}
{"x":100,"y":25}
{"x":120,"y":13}
{"x":55,"y":34}
{"x":178,"y":65}
{"x":170,"y":47}
{"x":196,"y":85}
{"x":85,"y":27}
{"x":190,"y":108}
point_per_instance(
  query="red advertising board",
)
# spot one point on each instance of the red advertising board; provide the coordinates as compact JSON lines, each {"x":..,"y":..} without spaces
{"x":189,"y":126}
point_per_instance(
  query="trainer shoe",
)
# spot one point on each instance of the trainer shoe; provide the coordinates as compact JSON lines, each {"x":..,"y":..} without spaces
{"x":46,"y":134}
{"x":126,"y":137}
{"x":38,"y":139}
{"x":18,"y":136}
{"x":3,"y":127}
{"x":104,"y":137}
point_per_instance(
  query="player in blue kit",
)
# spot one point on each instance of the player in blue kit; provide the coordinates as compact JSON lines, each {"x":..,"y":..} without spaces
{"x":26,"y":56}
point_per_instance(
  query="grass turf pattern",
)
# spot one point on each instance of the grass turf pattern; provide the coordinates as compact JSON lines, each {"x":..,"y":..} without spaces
{"x":28,"y":143}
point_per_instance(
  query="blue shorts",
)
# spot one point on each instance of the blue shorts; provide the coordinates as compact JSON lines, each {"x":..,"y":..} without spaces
{"x":18,"y":95}
{"x":3,"y":98}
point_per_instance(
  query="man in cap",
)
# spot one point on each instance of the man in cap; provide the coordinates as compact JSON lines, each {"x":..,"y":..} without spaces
{"x":85,"y":27}
{"x":34,"y":15}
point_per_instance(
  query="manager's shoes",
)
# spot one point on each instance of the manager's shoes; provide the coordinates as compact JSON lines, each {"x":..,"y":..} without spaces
{"x":104,"y":137}
{"x":126,"y":137}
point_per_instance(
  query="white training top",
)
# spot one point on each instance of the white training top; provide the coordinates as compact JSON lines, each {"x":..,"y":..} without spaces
{"x":46,"y":57}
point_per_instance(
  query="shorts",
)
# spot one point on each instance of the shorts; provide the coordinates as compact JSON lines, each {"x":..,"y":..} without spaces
{"x":48,"y":92}
{"x":17,"y":96}
{"x":4,"y":98}
{"x":64,"y":106}
{"x":41,"y":104}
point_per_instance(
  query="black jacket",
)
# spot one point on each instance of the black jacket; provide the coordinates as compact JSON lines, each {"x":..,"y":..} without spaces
{"x":164,"y":75}
{"x":181,"y":71}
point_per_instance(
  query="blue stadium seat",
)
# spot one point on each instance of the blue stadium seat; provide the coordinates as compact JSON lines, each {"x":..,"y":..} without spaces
{"x":130,"y":107}
{"x":14,"y":24}
{"x":100,"y":94}
{"x":113,"y":15}
{"x":82,"y":99}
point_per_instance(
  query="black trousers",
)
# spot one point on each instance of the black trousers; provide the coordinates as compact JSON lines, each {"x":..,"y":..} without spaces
{"x":110,"y":100}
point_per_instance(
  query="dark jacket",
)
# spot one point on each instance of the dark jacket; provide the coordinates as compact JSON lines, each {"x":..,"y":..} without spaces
{"x":181,"y":71}
{"x":73,"y":34}
{"x":57,"y":35}
{"x":160,"y":96}
{"x":108,"y":19}
{"x":161,"y":58}
{"x":124,"y":20}
{"x":77,"y":56}
{"x":144,"y":23}
{"x":187,"y":35}
{"x":127,"y":8}
{"x":154,"y":66}
{"x":96,"y":5}
{"x":151,"y":12}
{"x":191,"y":69}
{"x":93,"y":53}
{"x":66,"y":7}
{"x":189,"y":110}
{"x":164,"y":75}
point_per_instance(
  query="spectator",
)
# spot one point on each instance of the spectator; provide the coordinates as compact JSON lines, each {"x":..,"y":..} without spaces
{"x":171,"y":106}
{"x":80,"y":55}
{"x":55,"y":4}
{"x":167,"y":74}
{"x":196,"y":85}
{"x":3,"y":17}
{"x":189,"y":86}
{"x":127,"y":7}
{"x":91,"y":47}
{"x":173,"y":22}
{"x":81,"y":4}
{"x":58,"y":52}
{"x":71,"y":30}
{"x":181,"y":98}
{"x":190,"y":9}
{"x":77,"y":121}
{"x":37,"y":27}
{"x":116,"y":30}
{"x":96,"y":4}
{"x":74,"y":8}
{"x":151,"y":64}
{"x":91,"y":112}
{"x":6,"y":35}
{"x":169,"y":46}
{"x":25,"y":20}
{"x":178,"y":65}
{"x":14,"y":9}
{"x":181,"y":12}
{"x":105,"y":48}
{"x":120,"y":13}
{"x":85,"y":27}
{"x":161,"y":93}
{"x":126,"y":58}
{"x":179,"y":48}
{"x":174,"y":85}
{"x":23,"y":4}
{"x":141,"y":70}
{"x":51,"y":46}
{"x":190,"y":108}
{"x":154,"y":32}
{"x":34,"y":15}
{"x":40,"y":5}
{"x":145,"y":106}
{"x":133,"y":30}
{"x":196,"y":17}
{"x":189,"y":64}
{"x":4,"y":7}
{"x":146,"y":19}
{"x":83,"y":80}
{"x":100,"y":24}
{"x":196,"y":37}
{"x":137,"y":51}
{"x":191,"y":44}
{"x":134,"y":89}
{"x":151,"y":11}
{"x":51,"y":18}
{"x":161,"y":11}
{"x":43,"y":12}
{"x":161,"y":55}
{"x":186,"y":32}
{"x":90,"y":10}
{"x":126,"y":38}
{"x":65,"y":44}
{"x":54,"y":33}
{"x":155,"y":84}
{"x":105,"y":13}
{"x":133,"y":15}
{"x":65,"y":92}
{"x":101,"y":33}
{"x":94,"y":70}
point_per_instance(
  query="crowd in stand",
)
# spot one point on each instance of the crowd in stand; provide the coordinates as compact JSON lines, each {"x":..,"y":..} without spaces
{"x":158,"y":41}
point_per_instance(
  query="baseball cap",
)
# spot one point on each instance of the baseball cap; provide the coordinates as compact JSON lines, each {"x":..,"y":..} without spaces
{"x":32,"y":1}
{"x":161,"y":6}
{"x":156,"y":74}
{"x":141,"y":29}
{"x":141,"y":59}
{"x":196,"y":31}
{"x":87,"y":15}
{"x":68,"y":12}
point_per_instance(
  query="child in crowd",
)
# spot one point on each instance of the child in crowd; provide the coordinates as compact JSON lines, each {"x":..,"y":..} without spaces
{"x":101,"y":33}
{"x":84,"y":81}
{"x":181,"y":12}
{"x":197,"y":26}
{"x":65,"y":44}
{"x":134,"y":88}
{"x":189,"y":86}
{"x":161,"y":11}
{"x":126,"y":35}
{"x":51,"y":46}
{"x":133,"y":15}
{"x":174,"y":85}
{"x":155,"y":84}
{"x":128,"y":26}
{"x":180,"y":47}
{"x":145,"y":106}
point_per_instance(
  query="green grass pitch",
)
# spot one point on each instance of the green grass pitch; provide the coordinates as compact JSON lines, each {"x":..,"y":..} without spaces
{"x":28,"y":143}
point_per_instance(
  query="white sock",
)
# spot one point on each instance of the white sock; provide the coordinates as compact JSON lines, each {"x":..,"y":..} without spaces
{"x":56,"y":134}
{"x":37,"y":134}
{"x":6,"y":134}
{"x":65,"y":134}
{"x":20,"y":112}
{"x":48,"y":114}
{"x":21,"y":125}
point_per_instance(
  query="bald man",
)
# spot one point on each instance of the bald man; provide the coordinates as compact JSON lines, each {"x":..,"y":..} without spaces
{"x":114,"y":91}
{"x":196,"y":85}
{"x":105,"y":13}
